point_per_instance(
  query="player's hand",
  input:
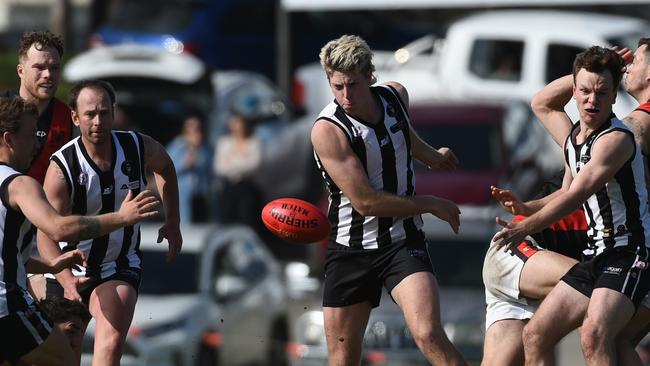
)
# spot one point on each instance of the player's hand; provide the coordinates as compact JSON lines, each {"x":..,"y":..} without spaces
{"x":626,"y":54}
{"x":172,"y":233}
{"x":67,"y":260}
{"x":72,"y":286}
{"x":447,"y":211}
{"x":510,"y":236}
{"x":445,"y":160}
{"x":138,"y":208}
{"x":508,"y":201}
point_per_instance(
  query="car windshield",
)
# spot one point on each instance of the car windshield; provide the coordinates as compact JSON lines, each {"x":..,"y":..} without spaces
{"x":160,"y":277}
{"x":153,"y":16}
{"x":458,"y":263}
{"x":478,"y":150}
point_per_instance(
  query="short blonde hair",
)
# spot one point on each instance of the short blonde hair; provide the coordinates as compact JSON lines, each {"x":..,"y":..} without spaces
{"x":347,"y":54}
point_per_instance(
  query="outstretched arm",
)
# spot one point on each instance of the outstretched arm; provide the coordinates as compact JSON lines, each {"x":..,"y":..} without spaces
{"x":158,"y":162}
{"x":609,"y":154}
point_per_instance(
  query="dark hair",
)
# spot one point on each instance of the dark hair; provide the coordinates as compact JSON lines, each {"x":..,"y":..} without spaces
{"x":73,"y":95}
{"x":12,"y":110}
{"x":599,"y":59}
{"x":646,"y":42}
{"x":60,"y":309}
{"x":41,"y":40}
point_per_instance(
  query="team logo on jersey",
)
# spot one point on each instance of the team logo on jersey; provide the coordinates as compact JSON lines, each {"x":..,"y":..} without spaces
{"x":621,"y":229}
{"x":41,"y":134}
{"x":127,"y":168}
{"x":131,"y":185}
{"x":384,"y":141}
{"x":584,"y":159}
{"x":82,"y":179}
{"x":108,"y":190}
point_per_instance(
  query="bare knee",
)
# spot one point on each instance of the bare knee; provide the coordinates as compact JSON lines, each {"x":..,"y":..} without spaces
{"x":533,"y":340}
{"x":429,"y":336}
{"x":593,"y":338}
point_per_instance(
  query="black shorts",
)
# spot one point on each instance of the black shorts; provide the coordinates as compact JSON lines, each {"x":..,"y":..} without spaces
{"x":357,"y":275}
{"x":613,"y":269}
{"x":132,"y":276}
{"x":21,"y":332}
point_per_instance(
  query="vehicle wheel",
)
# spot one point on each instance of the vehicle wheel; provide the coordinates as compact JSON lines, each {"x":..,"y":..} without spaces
{"x":207,"y":357}
{"x":278,"y":351}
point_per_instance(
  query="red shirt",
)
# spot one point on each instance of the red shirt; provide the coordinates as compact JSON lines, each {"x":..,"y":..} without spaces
{"x":644,"y":107}
{"x":54,"y":129}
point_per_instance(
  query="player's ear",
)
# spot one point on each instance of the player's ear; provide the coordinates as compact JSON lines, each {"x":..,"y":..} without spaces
{"x":75,"y":117}
{"x":7,"y":139}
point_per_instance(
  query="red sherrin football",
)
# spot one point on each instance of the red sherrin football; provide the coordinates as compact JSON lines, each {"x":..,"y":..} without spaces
{"x":295,"y":220}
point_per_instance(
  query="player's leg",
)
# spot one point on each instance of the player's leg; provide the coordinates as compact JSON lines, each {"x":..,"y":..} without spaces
{"x":561,"y":312}
{"x":542,"y":272}
{"x":112,"y":304}
{"x":619,"y":289}
{"x":344,"y":330}
{"x":608,"y":312}
{"x":503,"y":344}
{"x":632,"y":334}
{"x":350,"y":290}
{"x":418,"y":297}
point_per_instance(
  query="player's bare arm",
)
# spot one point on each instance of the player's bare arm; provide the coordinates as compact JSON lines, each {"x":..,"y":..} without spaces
{"x":548,"y":105}
{"x":65,"y":260}
{"x":510,"y":202}
{"x":26,"y":195}
{"x":158,"y":162}
{"x":609,"y":153}
{"x":56,"y":192}
{"x":343,"y":166}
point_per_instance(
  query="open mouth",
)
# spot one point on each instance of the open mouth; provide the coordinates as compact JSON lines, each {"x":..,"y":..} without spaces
{"x":592,"y":110}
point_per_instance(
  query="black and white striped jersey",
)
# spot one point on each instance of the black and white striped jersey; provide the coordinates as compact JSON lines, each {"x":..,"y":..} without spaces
{"x":13,"y":279}
{"x":617,"y":214}
{"x":384,"y":151}
{"x":93,"y":192}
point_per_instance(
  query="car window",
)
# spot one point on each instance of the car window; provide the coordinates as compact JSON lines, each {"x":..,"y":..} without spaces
{"x":497,"y":59}
{"x":559,"y":60}
{"x":157,"y":107}
{"x":479,"y":150}
{"x":180,"y":276}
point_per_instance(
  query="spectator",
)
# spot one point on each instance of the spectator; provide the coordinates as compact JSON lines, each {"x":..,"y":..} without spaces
{"x":193,"y":161}
{"x":237,"y":158}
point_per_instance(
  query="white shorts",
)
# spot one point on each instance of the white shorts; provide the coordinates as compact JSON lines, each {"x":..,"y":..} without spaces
{"x":501,"y":274}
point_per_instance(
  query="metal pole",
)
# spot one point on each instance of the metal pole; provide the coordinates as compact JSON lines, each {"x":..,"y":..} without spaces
{"x":283,"y":48}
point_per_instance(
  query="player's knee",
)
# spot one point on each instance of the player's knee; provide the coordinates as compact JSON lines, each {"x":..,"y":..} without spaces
{"x":427,"y":336}
{"x":592,"y":337}
{"x":532,"y":337}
